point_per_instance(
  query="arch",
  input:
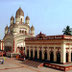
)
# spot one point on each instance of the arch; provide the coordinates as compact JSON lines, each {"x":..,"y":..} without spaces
{"x":21,"y":20}
{"x":40,"y":55}
{"x":20,"y":31}
{"x":45,"y":55}
{"x":51,"y":56}
{"x":58,"y":57}
{"x":8,"y":48}
{"x":35,"y":54}
{"x":31,"y":54}
{"x":67,"y":57}
{"x":71,"y":56}
{"x":28,"y":53}
{"x":25,"y":32}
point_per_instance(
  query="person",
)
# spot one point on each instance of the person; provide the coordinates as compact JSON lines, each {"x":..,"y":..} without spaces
{"x":4,"y":58}
{"x":24,"y":58}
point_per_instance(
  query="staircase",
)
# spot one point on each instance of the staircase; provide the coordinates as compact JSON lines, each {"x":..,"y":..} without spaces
{"x":32,"y":63}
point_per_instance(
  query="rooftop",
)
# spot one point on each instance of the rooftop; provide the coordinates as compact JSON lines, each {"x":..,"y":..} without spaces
{"x":42,"y":36}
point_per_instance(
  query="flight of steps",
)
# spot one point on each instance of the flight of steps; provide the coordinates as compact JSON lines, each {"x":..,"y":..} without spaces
{"x":31,"y":63}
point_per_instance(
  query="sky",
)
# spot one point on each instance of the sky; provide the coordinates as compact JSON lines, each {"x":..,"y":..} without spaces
{"x":47,"y":16}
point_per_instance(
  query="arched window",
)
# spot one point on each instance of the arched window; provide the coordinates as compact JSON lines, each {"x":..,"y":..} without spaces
{"x":58,"y":57}
{"x":71,"y":56}
{"x":51,"y":56}
{"x":25,"y":32}
{"x":21,"y":20}
{"x":45,"y":55}
{"x":67,"y":57}
{"x":20,"y":31}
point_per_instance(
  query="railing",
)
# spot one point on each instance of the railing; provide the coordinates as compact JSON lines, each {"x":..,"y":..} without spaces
{"x":63,"y":68}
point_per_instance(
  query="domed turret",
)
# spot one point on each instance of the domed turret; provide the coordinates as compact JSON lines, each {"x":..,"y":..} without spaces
{"x":12,"y":20}
{"x":19,"y":13}
{"x":6,"y":29}
{"x":27,"y":20}
{"x":19,"y":16}
{"x":32,"y":30}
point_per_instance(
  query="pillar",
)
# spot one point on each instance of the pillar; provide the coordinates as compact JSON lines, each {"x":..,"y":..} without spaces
{"x":63,"y":54}
{"x":55,"y":56}
{"x":48,"y":55}
{"x":2,"y":45}
{"x":69,"y":56}
{"x":43,"y":53}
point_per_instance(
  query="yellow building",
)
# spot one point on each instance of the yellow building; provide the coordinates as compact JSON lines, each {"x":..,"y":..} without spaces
{"x":56,"y":48}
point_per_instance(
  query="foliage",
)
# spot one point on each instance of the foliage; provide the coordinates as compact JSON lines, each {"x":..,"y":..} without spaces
{"x":67,"y":31}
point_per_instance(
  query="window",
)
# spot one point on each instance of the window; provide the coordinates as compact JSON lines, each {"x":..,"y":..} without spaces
{"x":25,"y":32}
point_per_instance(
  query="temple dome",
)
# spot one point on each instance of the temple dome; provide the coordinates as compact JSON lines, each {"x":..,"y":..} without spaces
{"x":19,"y":13}
{"x":12,"y":18}
{"x":32,"y":28}
{"x":27,"y":18}
{"x":6,"y":27}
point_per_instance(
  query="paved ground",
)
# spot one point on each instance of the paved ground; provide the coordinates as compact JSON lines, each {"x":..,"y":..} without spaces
{"x":13,"y":65}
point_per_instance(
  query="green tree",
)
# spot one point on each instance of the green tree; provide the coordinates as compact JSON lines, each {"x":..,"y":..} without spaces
{"x":67,"y":31}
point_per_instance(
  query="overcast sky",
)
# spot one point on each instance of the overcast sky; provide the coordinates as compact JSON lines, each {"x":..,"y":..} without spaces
{"x":47,"y":16}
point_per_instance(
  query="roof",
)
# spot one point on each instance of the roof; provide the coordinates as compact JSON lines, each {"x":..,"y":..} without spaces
{"x":27,"y":18}
{"x":42,"y":36}
{"x":32,"y":27}
{"x":12,"y":18}
{"x":19,"y":12}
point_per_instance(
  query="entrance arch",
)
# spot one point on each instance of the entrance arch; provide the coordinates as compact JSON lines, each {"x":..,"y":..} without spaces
{"x":67,"y":57}
{"x":35,"y":54}
{"x":58,"y":57}
{"x":40,"y":55}
{"x":8,"y":48}
{"x":31,"y":54}
{"x":27,"y":53}
{"x":51,"y":56}
{"x":45,"y":55}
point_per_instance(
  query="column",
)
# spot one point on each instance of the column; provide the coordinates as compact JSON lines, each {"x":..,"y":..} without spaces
{"x":63,"y":54}
{"x":43,"y":53}
{"x":55,"y":55}
{"x":48,"y":55}
{"x":2,"y":45}
{"x":69,"y":56}
{"x":38,"y":53}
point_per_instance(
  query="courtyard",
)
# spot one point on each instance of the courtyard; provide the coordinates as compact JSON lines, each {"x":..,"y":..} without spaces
{"x":13,"y":65}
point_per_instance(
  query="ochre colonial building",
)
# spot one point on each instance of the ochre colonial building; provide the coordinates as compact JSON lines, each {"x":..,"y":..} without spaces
{"x":16,"y":33}
{"x":56,"y":48}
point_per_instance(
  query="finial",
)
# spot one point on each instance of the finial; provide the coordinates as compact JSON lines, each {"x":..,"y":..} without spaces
{"x":20,"y":6}
{"x":27,"y":14}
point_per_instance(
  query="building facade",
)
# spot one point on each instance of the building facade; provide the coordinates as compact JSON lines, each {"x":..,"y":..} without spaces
{"x":16,"y":33}
{"x":49,"y":48}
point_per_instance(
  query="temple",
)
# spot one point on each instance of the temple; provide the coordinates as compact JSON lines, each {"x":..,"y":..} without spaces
{"x":19,"y":35}
{"x":16,"y":33}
